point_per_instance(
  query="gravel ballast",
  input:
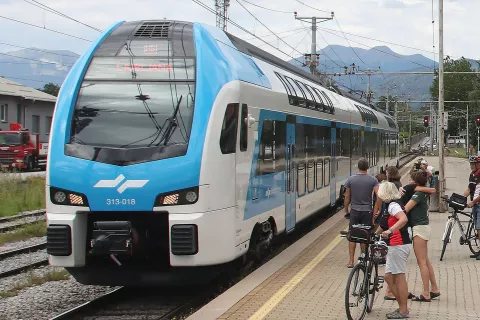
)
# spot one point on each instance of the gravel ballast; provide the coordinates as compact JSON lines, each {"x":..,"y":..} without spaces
{"x":46,"y":300}
{"x":22,"y":244}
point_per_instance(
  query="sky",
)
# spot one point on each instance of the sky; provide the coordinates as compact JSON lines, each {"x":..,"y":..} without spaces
{"x":405,"y":22}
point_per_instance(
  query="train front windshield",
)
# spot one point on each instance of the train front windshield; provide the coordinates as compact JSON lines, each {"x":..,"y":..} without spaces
{"x":137,"y":104}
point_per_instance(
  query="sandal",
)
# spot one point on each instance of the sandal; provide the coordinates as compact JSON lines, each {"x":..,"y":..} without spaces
{"x":349,"y":266}
{"x":410,"y":295}
{"x":434,"y":295}
{"x":421,"y":299}
{"x":397,"y":315}
{"x":388,"y":298}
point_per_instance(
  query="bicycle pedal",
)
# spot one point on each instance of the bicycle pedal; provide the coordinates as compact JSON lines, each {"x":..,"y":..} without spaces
{"x":381,"y":279}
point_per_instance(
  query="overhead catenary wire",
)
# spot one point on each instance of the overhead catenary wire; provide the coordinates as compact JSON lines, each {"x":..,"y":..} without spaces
{"x":44,"y":7}
{"x":39,"y":50}
{"x":8,"y":77}
{"x":40,"y":27}
{"x":238,"y":1}
{"x":306,"y":5}
{"x":273,"y":10}
{"x":282,"y":32}
{"x":233,"y":23}
{"x":44,"y":62}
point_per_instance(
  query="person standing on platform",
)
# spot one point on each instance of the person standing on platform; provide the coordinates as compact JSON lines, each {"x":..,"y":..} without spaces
{"x":399,"y":240}
{"x":358,"y":193}
{"x":474,"y":192}
{"x":417,"y":210}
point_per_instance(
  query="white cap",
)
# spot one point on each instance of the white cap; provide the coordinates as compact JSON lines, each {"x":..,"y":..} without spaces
{"x":424,"y":162}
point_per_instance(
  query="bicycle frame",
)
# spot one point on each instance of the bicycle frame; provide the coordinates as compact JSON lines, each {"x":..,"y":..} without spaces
{"x":452,"y":220}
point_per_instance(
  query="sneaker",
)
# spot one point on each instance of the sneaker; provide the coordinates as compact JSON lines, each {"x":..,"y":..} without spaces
{"x":475,"y":255}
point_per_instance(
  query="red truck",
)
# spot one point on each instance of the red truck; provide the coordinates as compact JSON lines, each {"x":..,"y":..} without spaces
{"x":21,"y":149}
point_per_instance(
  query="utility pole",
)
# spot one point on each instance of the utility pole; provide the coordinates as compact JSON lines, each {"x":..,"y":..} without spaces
{"x":396,"y":124}
{"x":410,"y":131}
{"x":221,"y":8}
{"x":441,"y":155}
{"x":431,"y":127}
{"x":312,"y":58}
{"x":467,"y":144}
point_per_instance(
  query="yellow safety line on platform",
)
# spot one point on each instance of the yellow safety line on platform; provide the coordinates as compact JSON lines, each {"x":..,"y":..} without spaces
{"x":282,"y":293}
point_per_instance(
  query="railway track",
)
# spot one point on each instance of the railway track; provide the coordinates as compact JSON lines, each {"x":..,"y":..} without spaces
{"x":34,"y":213}
{"x":10,"y":223}
{"x":127,"y":303}
{"x":23,"y":267}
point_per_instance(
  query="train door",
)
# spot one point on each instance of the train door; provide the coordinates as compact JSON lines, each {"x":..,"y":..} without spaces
{"x":333,"y":168}
{"x":290,"y":177}
{"x":243,"y":160}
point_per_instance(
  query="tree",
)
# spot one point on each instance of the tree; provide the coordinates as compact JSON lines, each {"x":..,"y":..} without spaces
{"x":457,"y":87}
{"x":51,"y":88}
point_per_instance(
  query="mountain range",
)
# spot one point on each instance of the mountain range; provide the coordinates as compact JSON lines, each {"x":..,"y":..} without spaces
{"x":34,"y":67}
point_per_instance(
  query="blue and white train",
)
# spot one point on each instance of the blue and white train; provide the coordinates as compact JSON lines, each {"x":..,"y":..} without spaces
{"x":177,"y":145}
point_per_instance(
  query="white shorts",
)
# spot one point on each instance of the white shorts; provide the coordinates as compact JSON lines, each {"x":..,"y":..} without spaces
{"x":423,"y":231}
{"x":397,"y":259}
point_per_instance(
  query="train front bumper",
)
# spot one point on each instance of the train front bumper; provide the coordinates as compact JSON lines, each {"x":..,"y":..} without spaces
{"x":195,"y":239}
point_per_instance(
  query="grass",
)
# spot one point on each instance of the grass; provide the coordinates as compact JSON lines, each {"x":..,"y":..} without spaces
{"x":450,"y":152}
{"x":18,"y":195}
{"x":38,"y":229}
{"x":34,"y":280}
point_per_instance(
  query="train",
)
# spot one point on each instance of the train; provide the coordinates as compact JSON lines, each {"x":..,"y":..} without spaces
{"x":177,"y":147}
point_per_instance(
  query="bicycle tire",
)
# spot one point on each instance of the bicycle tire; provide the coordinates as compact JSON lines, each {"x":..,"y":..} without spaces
{"x":372,"y":287}
{"x":472,"y":237}
{"x":445,"y":241}
{"x":356,"y":269}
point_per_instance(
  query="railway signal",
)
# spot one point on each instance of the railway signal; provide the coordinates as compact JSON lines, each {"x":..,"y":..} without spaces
{"x":477,"y":121}
{"x":425,"y":121}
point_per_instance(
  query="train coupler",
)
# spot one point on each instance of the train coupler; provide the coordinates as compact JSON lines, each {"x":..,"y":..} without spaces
{"x":111,"y":238}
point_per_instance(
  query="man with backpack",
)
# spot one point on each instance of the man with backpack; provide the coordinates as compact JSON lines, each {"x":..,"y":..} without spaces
{"x":358,"y":194}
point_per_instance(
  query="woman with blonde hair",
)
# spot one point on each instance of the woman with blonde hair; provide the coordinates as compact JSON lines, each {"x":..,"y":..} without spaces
{"x":399,"y":240}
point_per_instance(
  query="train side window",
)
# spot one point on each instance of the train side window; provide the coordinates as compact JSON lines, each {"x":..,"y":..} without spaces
{"x":326,"y":172}
{"x":292,"y":96}
{"x":329,"y":102}
{"x":301,"y":99}
{"x":319,"y":173}
{"x":228,"y":136}
{"x":271,"y":154}
{"x":308,"y":94}
{"x":244,"y":128}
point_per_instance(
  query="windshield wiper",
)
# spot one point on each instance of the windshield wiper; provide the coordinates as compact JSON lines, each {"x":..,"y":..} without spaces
{"x":172,"y":125}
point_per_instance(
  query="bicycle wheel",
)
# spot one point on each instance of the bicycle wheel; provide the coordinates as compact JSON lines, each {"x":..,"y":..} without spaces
{"x":446,"y":238}
{"x":356,"y":305}
{"x":373,"y":285}
{"x":473,"y":242}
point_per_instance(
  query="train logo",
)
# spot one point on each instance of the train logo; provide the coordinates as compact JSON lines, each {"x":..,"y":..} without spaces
{"x":127,"y":184}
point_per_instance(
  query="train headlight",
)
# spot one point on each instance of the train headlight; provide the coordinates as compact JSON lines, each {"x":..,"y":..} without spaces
{"x":191,"y":196}
{"x":179,"y":197}
{"x":67,"y":198}
{"x":60,"y":197}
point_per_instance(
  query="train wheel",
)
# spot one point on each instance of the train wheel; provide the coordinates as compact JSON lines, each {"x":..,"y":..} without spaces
{"x":260,"y":241}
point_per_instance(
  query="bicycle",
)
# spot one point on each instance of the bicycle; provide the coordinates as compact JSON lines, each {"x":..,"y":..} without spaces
{"x":458,"y":203}
{"x":375,"y":251}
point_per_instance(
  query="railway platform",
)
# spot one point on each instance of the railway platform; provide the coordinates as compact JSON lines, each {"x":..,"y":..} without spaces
{"x":307,"y":280}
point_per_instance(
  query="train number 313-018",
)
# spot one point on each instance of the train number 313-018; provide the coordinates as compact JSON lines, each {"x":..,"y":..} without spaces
{"x":123,"y":202}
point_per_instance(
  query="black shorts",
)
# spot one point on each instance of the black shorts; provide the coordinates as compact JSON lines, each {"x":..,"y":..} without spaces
{"x":361,"y":217}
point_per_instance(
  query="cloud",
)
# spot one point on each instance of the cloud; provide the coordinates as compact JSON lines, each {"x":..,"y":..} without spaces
{"x":402,"y":21}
